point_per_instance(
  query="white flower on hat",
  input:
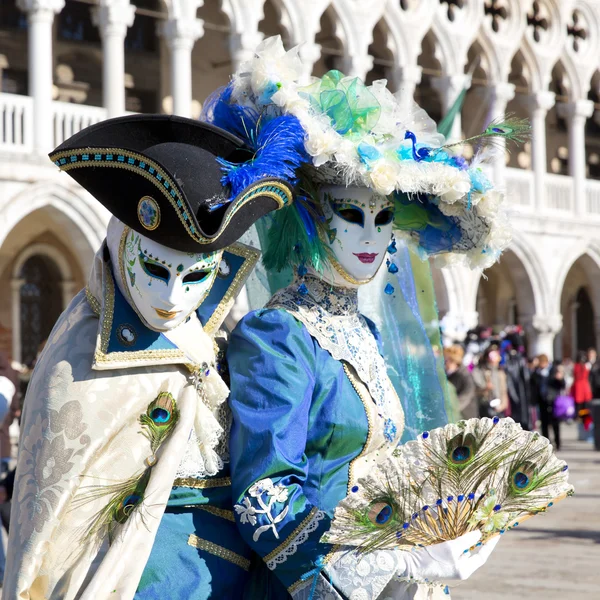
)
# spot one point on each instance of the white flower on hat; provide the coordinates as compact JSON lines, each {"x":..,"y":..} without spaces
{"x":384,"y":175}
{"x":456,"y":186}
{"x":488,"y":206}
{"x":452,"y":210}
{"x":321,"y":144}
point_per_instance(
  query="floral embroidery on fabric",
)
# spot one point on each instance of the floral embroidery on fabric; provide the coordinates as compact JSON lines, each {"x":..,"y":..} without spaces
{"x":331,"y":316}
{"x":249,"y":513}
{"x":48,"y":460}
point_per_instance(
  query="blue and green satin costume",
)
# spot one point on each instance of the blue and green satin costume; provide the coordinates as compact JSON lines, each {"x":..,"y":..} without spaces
{"x":198,"y":553}
{"x":298,"y":422}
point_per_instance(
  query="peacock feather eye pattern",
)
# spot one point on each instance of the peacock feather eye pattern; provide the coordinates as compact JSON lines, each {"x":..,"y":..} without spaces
{"x":159,"y":419}
{"x":462,"y":449}
{"x":380,"y":513}
{"x":481,"y":474}
{"x":126,"y":497}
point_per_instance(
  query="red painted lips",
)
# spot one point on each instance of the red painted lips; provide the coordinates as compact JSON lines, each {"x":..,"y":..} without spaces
{"x":365,"y":257}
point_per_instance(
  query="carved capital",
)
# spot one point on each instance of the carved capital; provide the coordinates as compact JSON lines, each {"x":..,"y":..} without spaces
{"x":41,"y":10}
{"x":547,"y":323}
{"x":577,"y":111}
{"x":113,"y":17}
{"x":180,"y":33}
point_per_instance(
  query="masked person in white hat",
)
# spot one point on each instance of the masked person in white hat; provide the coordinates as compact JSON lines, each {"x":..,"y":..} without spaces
{"x":313,"y":406}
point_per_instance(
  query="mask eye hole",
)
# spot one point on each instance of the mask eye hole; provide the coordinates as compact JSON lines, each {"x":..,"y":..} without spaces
{"x":350,"y":213}
{"x":197,"y":276}
{"x":155,"y":270}
{"x":385,"y":217}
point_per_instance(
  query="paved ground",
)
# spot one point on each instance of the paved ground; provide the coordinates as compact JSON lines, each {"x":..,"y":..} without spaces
{"x":555,"y":556}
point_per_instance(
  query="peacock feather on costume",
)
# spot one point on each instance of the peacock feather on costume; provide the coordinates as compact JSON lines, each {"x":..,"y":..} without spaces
{"x":125,"y":497}
{"x":481,"y":474}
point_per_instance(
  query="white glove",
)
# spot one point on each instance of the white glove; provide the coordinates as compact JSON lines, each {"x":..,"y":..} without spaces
{"x":448,"y":561}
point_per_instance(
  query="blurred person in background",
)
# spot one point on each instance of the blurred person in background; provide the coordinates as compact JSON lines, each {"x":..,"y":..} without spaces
{"x":582,"y":393}
{"x":10,"y":408}
{"x":568,"y":366}
{"x":517,"y":379}
{"x":547,"y":383}
{"x":594,"y":369}
{"x":462,"y":380}
{"x":490,"y":384}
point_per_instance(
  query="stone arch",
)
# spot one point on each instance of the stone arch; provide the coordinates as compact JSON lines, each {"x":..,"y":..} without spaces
{"x":278,"y":21}
{"x":426,"y":96}
{"x":77,"y":208}
{"x":514,"y":290}
{"x":211,"y":55}
{"x":475,"y":112}
{"x":43,"y":249}
{"x":591,"y":251}
{"x":383,"y":51}
{"x":332,"y":38}
{"x":564,"y":85}
{"x":63,"y":288}
{"x":579,"y":297}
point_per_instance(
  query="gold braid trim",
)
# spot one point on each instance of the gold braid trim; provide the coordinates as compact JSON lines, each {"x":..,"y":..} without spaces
{"x":202,"y":484}
{"x":219,"y":512}
{"x":259,"y":189}
{"x":94,"y":304}
{"x":288,"y":540}
{"x":359,"y":389}
{"x":135,"y":169}
{"x":251,"y":256}
{"x":102,"y":356}
{"x":303,"y":582}
{"x":219,"y":551}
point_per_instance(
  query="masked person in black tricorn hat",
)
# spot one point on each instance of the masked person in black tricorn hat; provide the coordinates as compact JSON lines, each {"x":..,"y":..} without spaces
{"x":124,"y":430}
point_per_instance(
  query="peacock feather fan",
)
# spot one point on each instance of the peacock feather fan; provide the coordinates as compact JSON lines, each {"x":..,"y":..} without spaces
{"x":485,"y":474}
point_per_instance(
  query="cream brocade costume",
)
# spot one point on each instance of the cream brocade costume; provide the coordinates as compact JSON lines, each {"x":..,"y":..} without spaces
{"x":81,"y":433}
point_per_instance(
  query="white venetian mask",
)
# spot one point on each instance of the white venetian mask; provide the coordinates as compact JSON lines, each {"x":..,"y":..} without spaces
{"x":166,"y":286}
{"x":359,"y":230}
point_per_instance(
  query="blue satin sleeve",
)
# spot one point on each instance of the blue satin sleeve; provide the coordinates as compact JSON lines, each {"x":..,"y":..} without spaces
{"x":272,"y":361}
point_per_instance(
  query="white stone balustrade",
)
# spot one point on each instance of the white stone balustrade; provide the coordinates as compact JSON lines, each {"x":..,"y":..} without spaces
{"x":16,"y":123}
{"x":69,"y":118}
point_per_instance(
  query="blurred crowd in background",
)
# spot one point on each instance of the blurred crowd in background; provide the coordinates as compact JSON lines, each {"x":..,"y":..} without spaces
{"x":490,"y":374}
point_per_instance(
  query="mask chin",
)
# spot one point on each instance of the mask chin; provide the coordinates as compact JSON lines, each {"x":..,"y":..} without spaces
{"x":164,"y":286}
{"x":359,"y":224}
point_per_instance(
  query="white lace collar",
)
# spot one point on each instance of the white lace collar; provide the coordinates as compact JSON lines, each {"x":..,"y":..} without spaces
{"x":330,"y":314}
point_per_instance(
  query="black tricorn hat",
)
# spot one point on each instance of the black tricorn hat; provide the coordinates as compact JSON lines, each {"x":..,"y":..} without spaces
{"x":161,"y":176}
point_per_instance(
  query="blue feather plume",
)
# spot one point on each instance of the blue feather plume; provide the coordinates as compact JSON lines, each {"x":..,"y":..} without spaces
{"x":278,"y":142}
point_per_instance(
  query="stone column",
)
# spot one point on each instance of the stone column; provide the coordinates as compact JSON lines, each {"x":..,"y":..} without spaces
{"x":539,"y":103}
{"x":40,"y":16}
{"x":3,"y":65}
{"x":405,"y":80}
{"x":576,"y":114}
{"x":357,"y":65}
{"x":15,"y":286}
{"x":181,"y":35}
{"x":449,"y":87}
{"x":501,"y":94}
{"x":113,"y":18}
{"x":542,"y":330}
{"x":310,"y":54}
{"x":243,"y":45}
